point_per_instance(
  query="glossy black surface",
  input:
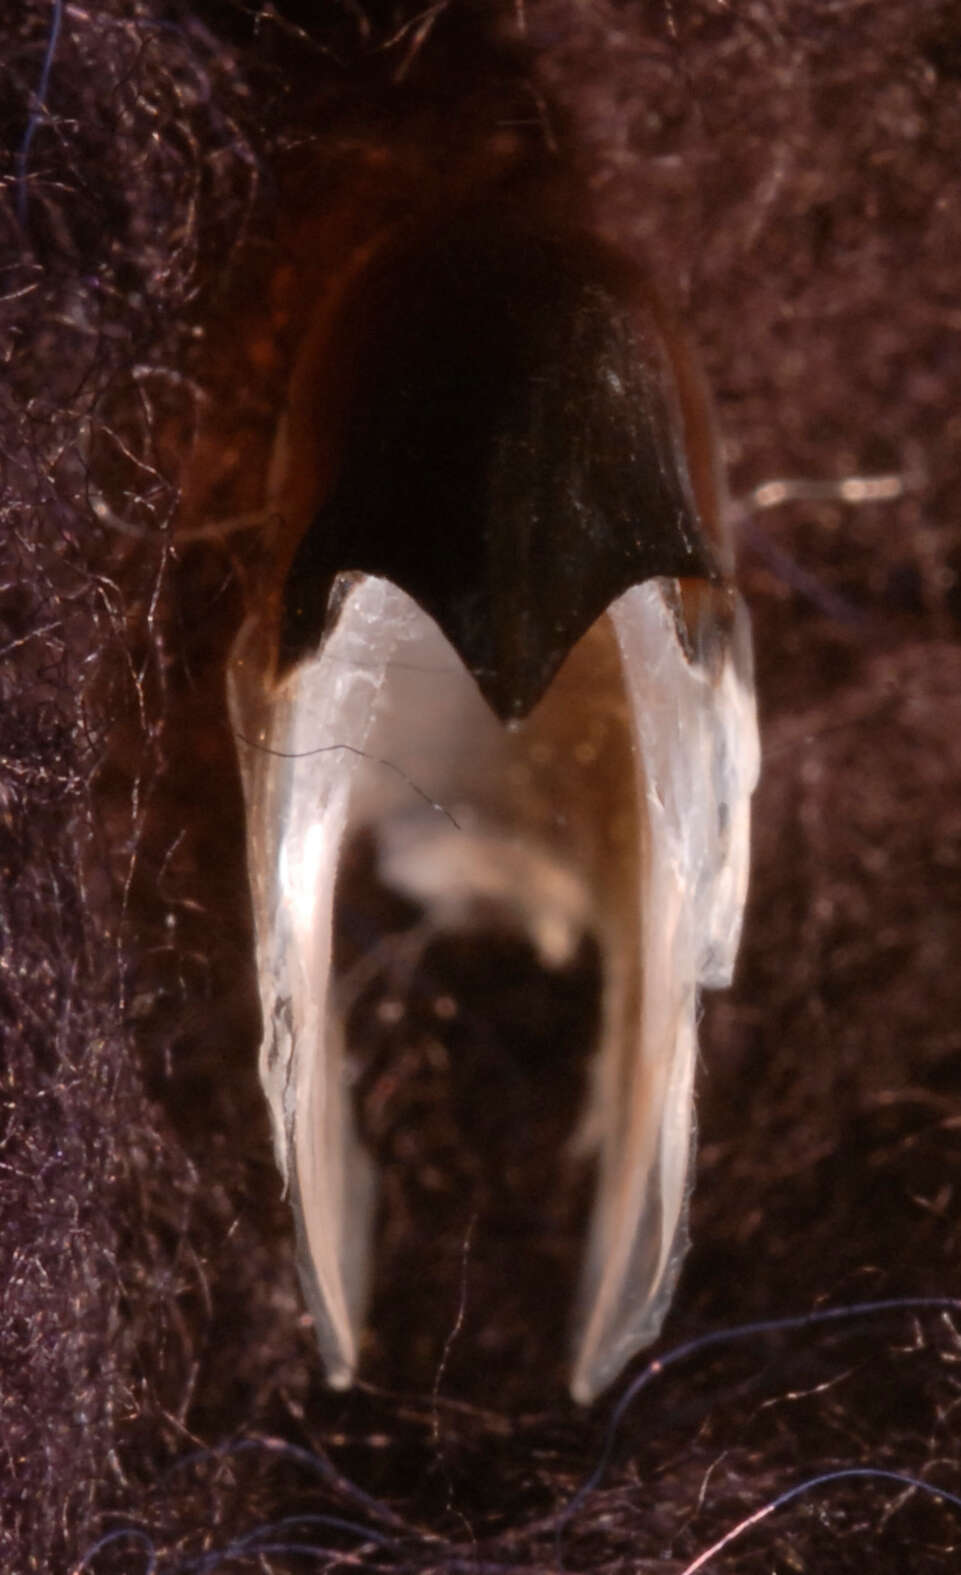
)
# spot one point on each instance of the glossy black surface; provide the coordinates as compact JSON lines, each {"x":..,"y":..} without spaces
{"x":513,"y":455}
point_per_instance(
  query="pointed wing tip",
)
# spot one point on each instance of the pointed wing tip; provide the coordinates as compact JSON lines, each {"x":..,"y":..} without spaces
{"x":338,"y":1347}
{"x":595,"y":1371}
{"x":584,"y":1388}
{"x":340,"y":1375}
{"x":597,"y":1368}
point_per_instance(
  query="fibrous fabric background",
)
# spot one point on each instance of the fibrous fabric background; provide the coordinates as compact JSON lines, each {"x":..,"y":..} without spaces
{"x":789,"y":170}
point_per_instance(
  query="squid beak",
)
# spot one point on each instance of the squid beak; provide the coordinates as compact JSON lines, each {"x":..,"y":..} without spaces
{"x":508,"y":653}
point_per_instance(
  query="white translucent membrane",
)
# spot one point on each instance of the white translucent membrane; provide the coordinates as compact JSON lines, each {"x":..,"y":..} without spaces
{"x":618,"y":807}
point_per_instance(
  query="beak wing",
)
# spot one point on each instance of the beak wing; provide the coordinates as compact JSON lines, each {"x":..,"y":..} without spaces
{"x":301,"y":742}
{"x":696,"y":763}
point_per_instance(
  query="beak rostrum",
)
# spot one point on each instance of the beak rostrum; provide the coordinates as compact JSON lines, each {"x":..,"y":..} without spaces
{"x":508,"y":651}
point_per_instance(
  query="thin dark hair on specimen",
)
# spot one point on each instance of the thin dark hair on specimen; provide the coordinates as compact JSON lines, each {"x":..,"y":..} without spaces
{"x":317,"y":1464}
{"x":852,"y":491}
{"x":362,"y":754}
{"x":800,"y":1489}
{"x":790,"y":572}
{"x":120,"y":1534}
{"x":716,"y":1338}
{"x":265,"y":1539}
{"x":37,"y":113}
